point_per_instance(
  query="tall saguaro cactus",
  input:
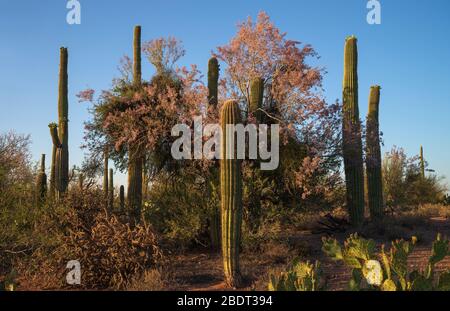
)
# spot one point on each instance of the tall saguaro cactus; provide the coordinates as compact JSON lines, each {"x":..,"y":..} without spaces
{"x":53,"y":167}
{"x":60,"y":132}
{"x":373,"y":156}
{"x":41,"y":183}
{"x":351,"y":132}
{"x":231,"y":195}
{"x":135,"y":160}
{"x":105,"y":174}
{"x":256,"y":97}
{"x":122,"y":198}
{"x":111,"y":190}
{"x":422,"y":164}
{"x":213,"y":80}
{"x":63,"y":123}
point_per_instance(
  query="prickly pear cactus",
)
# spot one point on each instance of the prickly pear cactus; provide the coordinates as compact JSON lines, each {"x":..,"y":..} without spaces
{"x":391,"y":274}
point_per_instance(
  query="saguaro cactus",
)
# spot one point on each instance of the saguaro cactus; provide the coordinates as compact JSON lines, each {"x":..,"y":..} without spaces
{"x":122,"y":198}
{"x":256,"y":97}
{"x":63,"y":121}
{"x":41,"y":183}
{"x":111,"y":190}
{"x":54,"y":135}
{"x":231,"y":195}
{"x":351,"y":132}
{"x":105,"y":174}
{"x":422,"y":164}
{"x":373,"y":156}
{"x":213,"y":80}
{"x":135,"y":160}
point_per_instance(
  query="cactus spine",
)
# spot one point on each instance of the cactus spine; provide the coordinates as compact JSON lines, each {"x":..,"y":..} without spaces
{"x":213,"y":80}
{"x":373,"y":156}
{"x":41,"y":183}
{"x":256,"y":97}
{"x":422,"y":164}
{"x":122,"y":198}
{"x":134,"y":155}
{"x":351,"y":134}
{"x":111,"y":190}
{"x":231,"y":195}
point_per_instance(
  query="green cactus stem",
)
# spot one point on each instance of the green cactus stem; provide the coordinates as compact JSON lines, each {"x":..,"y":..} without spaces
{"x":231,"y":197}
{"x":54,"y":166}
{"x":373,"y":156}
{"x":351,"y":132}
{"x":256,"y":98}
{"x":63,"y":121}
{"x":213,"y":80}
{"x":41,"y":183}
{"x":214,"y":222}
{"x":134,"y":194}
{"x":105,"y":173}
{"x":122,"y":198}
{"x":422,"y":164}
{"x":111,"y":190}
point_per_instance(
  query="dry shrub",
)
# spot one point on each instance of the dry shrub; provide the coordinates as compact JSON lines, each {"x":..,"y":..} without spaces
{"x":150,"y":280}
{"x":432,"y":210}
{"x":110,"y":251}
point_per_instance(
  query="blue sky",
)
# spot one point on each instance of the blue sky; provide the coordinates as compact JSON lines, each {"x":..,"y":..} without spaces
{"x":408,"y":55}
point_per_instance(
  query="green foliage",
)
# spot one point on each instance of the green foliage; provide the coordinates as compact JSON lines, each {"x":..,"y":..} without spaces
{"x":403,"y":185}
{"x":178,"y":209}
{"x":392,"y":273}
{"x":351,"y":133}
{"x":300,"y":276}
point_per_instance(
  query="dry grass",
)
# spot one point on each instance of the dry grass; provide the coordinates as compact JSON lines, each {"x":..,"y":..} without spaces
{"x":150,"y":280}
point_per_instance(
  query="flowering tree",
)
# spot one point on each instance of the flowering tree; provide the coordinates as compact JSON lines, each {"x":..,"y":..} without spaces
{"x":143,"y":115}
{"x":292,"y":98}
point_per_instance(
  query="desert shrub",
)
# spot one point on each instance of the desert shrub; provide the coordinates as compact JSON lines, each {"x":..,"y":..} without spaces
{"x":403,"y":184}
{"x":110,"y":252}
{"x":178,"y":209}
{"x":150,"y":280}
{"x":432,"y":210}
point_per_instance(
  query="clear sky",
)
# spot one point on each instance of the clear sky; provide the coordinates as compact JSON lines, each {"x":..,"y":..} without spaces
{"x":408,"y":55}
